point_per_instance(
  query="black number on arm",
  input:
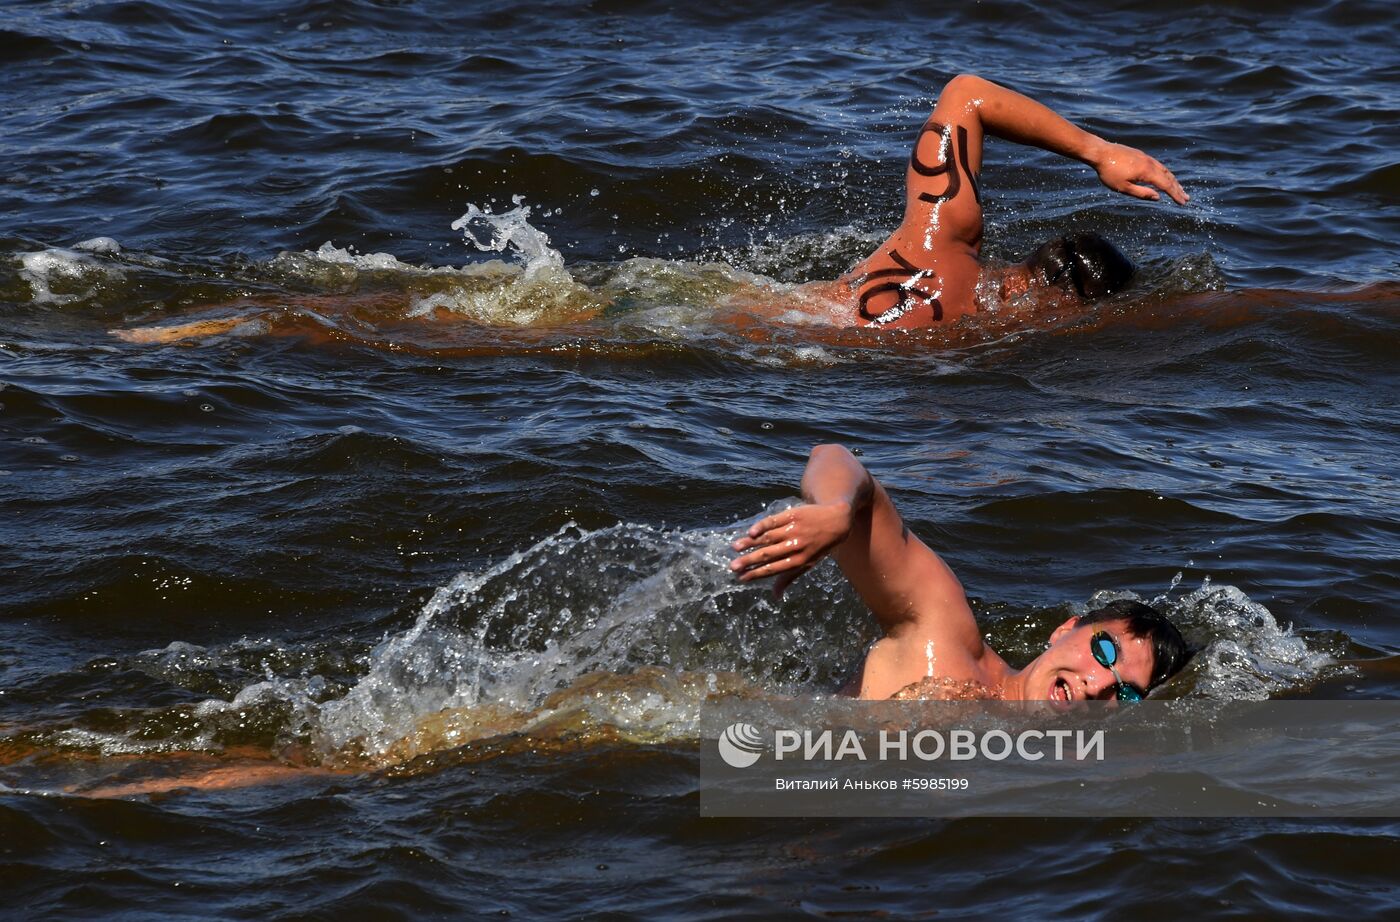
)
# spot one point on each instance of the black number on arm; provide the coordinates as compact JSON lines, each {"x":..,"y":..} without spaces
{"x":907,"y":271}
{"x":950,"y":166}
{"x":967,"y":164}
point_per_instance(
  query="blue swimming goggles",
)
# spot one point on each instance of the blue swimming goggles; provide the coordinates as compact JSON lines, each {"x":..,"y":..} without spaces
{"x":1105,"y":650}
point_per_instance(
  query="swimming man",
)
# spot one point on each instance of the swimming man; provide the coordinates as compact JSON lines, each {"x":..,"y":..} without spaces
{"x":932,"y":646}
{"x":928,"y":271}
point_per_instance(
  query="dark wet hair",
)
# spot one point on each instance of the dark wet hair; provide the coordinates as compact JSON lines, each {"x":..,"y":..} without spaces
{"x":1086,"y":263}
{"x":1169,"y":650}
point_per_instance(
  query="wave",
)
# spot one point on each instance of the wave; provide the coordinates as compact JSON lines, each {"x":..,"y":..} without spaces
{"x":22,"y":46}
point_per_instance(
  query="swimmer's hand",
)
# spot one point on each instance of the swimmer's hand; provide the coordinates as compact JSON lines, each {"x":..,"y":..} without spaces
{"x":792,"y":542}
{"x":1130,"y":171}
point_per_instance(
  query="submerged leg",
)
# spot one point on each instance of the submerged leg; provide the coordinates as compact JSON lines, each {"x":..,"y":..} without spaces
{"x":214,"y":779}
{"x":175,"y":332}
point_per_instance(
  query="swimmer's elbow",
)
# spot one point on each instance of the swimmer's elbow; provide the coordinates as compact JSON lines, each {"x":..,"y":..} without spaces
{"x":828,"y":448}
{"x":964,"y":88}
{"x":835,"y":454}
{"x":830,"y":464}
{"x":963,"y":83}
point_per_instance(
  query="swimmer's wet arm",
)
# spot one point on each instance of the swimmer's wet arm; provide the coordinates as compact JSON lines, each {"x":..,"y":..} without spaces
{"x":1007,"y":114}
{"x":838,"y":491}
{"x":849,"y":515}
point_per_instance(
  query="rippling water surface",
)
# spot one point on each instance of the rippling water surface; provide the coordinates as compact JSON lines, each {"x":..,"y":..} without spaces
{"x":431,"y":529}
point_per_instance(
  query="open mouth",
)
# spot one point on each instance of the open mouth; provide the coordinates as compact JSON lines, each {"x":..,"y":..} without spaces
{"x":1060,"y":692}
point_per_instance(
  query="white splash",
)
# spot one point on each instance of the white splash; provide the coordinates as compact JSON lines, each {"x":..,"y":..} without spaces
{"x":534,"y":287}
{"x":507,"y":232}
{"x":103,"y":245}
{"x":1253,"y":657}
{"x":59,"y":276}
{"x":435,"y":666}
{"x":331,"y":266}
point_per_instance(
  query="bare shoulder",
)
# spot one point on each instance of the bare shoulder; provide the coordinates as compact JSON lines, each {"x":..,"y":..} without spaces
{"x":939,"y":642}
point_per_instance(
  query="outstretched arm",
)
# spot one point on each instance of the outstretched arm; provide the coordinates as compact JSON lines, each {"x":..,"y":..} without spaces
{"x":1007,"y":114}
{"x":908,"y":587}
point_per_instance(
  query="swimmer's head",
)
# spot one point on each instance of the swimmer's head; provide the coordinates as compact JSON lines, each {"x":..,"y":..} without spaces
{"x":1085,"y":264}
{"x":1120,"y":651}
{"x":1169,"y":650}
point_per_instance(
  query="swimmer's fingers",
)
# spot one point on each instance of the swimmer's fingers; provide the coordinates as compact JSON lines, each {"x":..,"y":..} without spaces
{"x":787,"y":571}
{"x":765,"y":530}
{"x":771,"y":559}
{"x":829,"y":520}
{"x":793,"y":539}
{"x":1166,"y":181}
{"x":774,"y":545}
{"x":1160,"y":177}
{"x":1142,"y":192}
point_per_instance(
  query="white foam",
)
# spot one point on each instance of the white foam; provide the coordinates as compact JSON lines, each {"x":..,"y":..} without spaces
{"x":813,"y":355}
{"x":530,"y":283}
{"x":508,"y":232}
{"x":114,"y":744}
{"x":683,"y":281}
{"x":1253,"y":657}
{"x":76,"y":276}
{"x":330,"y":264}
{"x":532,"y":286}
{"x":104,"y":245}
{"x":529,"y":286}
{"x":819,"y":254}
{"x":512,"y":297}
{"x":786,"y":356}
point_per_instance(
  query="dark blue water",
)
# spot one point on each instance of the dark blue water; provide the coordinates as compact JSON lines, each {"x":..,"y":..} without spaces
{"x":433,"y":509}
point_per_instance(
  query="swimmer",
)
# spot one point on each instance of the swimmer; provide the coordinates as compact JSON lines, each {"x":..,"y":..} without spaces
{"x":931,"y":648}
{"x":931,"y":645}
{"x":928,"y":271}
